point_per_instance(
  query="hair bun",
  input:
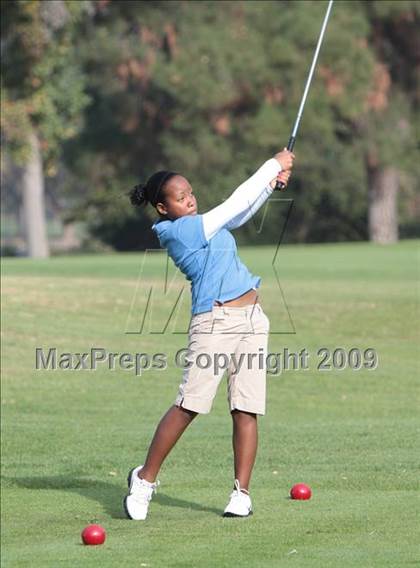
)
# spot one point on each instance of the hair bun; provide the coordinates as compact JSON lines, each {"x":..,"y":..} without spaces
{"x":138,"y":195}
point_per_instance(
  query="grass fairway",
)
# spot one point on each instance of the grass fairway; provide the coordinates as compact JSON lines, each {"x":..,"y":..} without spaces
{"x":69,"y":437}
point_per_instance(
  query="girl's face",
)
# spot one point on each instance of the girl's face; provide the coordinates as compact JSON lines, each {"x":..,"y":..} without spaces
{"x":179,"y":199}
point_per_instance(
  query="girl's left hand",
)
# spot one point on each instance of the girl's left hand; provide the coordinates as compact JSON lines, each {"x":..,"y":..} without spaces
{"x":283,"y":177}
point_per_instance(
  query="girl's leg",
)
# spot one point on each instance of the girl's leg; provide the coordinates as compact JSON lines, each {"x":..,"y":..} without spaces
{"x":245,"y":442}
{"x":169,"y":430}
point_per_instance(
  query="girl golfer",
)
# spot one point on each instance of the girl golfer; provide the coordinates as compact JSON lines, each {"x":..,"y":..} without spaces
{"x":227,"y":318}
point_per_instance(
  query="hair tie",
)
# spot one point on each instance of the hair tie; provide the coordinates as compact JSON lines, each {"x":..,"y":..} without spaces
{"x":155,"y":184}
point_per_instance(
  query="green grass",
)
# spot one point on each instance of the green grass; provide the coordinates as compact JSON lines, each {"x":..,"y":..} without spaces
{"x":69,"y":437}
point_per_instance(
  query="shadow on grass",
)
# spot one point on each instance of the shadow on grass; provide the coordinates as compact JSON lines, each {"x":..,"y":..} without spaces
{"x":109,"y":495}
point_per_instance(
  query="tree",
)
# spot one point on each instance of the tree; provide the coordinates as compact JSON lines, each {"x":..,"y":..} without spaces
{"x":211,"y":89}
{"x":43,"y":95}
{"x":392,"y":111}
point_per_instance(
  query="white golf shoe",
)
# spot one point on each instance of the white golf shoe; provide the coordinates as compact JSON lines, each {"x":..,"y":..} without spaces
{"x":239,"y":504}
{"x":140,"y":492}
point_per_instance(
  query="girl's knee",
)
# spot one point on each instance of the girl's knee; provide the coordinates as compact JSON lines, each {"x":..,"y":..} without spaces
{"x":190,"y":413}
{"x":243,"y":416}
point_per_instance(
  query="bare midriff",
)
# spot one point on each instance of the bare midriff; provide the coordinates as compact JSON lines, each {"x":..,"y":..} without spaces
{"x":250,"y":297}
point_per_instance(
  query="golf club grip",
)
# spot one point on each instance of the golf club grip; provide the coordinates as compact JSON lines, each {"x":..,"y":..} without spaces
{"x":279,"y":185}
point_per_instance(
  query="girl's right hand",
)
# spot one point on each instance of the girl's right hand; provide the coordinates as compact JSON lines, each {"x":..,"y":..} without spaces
{"x":285,"y":159}
{"x":283,"y":177}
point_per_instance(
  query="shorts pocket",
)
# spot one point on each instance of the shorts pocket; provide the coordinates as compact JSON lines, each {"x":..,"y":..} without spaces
{"x":201,"y":323}
{"x":264,"y":319}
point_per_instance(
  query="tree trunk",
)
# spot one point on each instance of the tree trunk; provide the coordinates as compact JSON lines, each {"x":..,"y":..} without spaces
{"x":33,"y":203}
{"x":383,"y":213}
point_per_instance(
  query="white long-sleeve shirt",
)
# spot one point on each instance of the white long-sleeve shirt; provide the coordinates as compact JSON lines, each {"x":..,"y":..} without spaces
{"x":244,"y":202}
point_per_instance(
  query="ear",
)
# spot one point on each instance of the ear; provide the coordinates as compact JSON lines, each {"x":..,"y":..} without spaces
{"x":161,"y":209}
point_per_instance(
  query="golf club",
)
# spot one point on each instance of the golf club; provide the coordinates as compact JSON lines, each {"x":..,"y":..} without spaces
{"x":292,"y":139}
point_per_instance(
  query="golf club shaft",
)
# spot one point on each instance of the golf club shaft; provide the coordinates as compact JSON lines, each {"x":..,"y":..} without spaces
{"x":292,"y":139}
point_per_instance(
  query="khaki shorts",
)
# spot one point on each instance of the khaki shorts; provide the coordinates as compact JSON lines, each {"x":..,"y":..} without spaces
{"x":232,"y":339}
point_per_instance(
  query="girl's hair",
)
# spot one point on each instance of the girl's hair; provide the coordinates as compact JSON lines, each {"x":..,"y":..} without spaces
{"x":152,"y":190}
